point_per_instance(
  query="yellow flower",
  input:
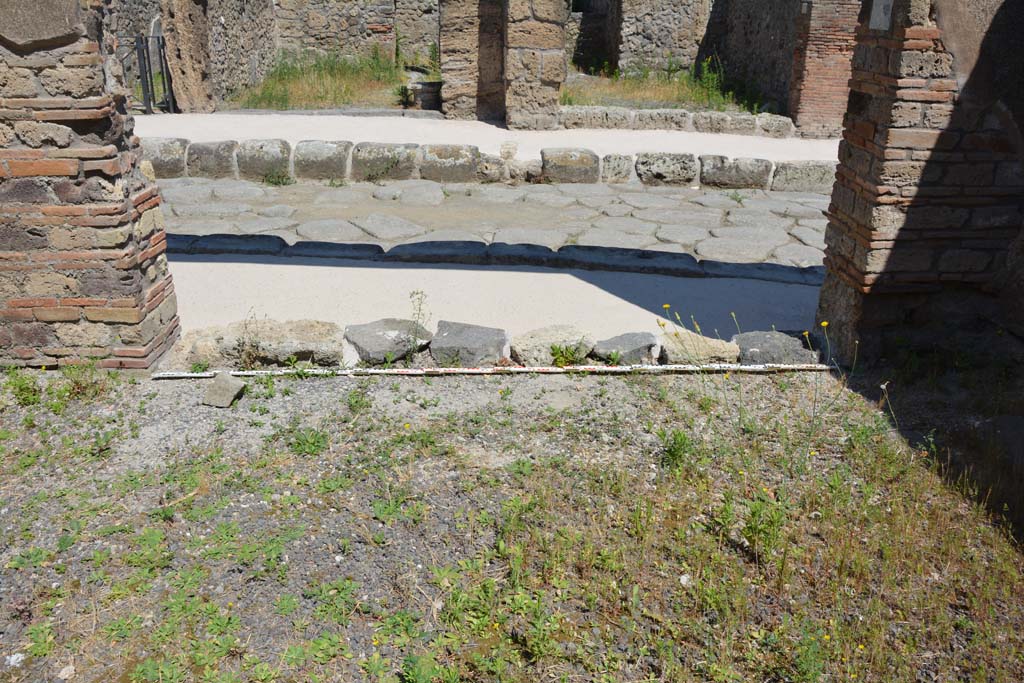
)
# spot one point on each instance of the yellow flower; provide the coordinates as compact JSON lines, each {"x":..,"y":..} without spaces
{"x":408,"y":426}
{"x":826,"y":637}
{"x":807,"y":333}
{"x":728,"y":375}
{"x":666,"y":306}
{"x":824,"y":323}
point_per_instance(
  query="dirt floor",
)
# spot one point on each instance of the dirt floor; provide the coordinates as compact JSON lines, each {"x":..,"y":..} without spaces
{"x":571,"y":528}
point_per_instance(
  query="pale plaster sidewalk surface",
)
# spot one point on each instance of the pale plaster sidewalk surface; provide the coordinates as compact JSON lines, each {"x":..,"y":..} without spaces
{"x":486,"y":136}
{"x":214,"y":290}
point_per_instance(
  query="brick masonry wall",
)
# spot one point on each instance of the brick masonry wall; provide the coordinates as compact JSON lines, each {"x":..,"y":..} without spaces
{"x":927,"y":199}
{"x":822,"y":64}
{"x":82,"y":266}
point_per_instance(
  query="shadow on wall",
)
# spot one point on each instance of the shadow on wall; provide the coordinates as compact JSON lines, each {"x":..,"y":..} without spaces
{"x":946,"y":314}
{"x":755,"y":43}
{"x":490,"y":82}
{"x":600,"y":35}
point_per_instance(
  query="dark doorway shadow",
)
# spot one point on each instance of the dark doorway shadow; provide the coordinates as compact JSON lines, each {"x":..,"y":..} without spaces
{"x":490,"y":83}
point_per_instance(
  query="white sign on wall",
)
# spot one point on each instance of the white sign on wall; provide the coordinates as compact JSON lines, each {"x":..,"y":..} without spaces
{"x":881,"y":15}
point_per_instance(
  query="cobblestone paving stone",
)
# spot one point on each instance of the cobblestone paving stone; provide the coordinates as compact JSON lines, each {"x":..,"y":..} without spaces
{"x":785,"y":229}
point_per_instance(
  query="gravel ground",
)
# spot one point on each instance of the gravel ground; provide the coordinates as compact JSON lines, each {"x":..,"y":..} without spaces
{"x":487,"y":529}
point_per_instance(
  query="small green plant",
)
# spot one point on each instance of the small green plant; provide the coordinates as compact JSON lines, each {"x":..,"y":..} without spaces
{"x":41,"y":639}
{"x":307,"y":441}
{"x":404,"y":96}
{"x":335,"y":600}
{"x":278,"y":178}
{"x":568,"y":355}
{"x":23,"y":387}
{"x":199,"y":367}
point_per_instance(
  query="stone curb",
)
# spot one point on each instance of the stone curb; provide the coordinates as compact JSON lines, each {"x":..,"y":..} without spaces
{"x":466,"y":345}
{"x":733,"y":123}
{"x":342,"y":161}
{"x":480,"y":254}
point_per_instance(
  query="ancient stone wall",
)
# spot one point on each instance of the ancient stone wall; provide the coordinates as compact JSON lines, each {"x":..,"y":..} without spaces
{"x":657,"y":34}
{"x":216,"y":48}
{"x":472,"y":42}
{"x":928,"y":201}
{"x":535,"y":62}
{"x":82,"y":266}
{"x":756,"y":41}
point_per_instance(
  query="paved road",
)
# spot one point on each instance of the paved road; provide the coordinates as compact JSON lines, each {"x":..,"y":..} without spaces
{"x":725,"y":228}
{"x":486,"y":136}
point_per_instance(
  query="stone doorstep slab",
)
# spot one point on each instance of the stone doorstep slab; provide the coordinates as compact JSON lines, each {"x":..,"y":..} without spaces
{"x":480,"y":254}
{"x":340,"y":160}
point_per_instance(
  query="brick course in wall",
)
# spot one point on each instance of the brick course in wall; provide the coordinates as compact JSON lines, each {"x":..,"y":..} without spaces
{"x":82,"y":266}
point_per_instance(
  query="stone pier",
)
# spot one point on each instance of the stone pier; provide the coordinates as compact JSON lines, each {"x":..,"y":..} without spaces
{"x":82,"y":268}
{"x":927,"y":204}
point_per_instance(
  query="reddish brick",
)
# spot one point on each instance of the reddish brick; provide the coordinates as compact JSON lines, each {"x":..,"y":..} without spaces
{"x":58,"y":314}
{"x":32,"y":302}
{"x":43,"y":167}
{"x":114,"y":315}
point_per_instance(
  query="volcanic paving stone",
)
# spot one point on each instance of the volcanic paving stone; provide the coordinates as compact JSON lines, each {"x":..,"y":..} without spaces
{"x":387,"y":340}
{"x":223,"y":391}
{"x":468,"y":345}
{"x":633,"y":348}
{"x":772,"y":348}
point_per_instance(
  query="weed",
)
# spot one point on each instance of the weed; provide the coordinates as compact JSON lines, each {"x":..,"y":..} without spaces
{"x":568,"y":355}
{"x":335,"y":600}
{"x":307,"y":441}
{"x":278,"y":179}
{"x":24,"y":387}
{"x":199,"y":367}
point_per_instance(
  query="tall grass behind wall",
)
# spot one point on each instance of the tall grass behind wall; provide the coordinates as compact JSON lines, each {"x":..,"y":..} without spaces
{"x":701,"y":86}
{"x":315,"y":80}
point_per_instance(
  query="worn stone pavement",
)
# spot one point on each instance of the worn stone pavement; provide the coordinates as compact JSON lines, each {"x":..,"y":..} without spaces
{"x":737,"y":227}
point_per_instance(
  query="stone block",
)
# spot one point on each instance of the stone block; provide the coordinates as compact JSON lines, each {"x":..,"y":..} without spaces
{"x":804,"y":176}
{"x":634,"y":348}
{"x":662,"y":168}
{"x":617,"y":168}
{"x":450,"y":163}
{"x":682,"y":347}
{"x":41,"y":23}
{"x":664,"y":119}
{"x":387,"y":340}
{"x":322,"y":159}
{"x":564,"y":165}
{"x":212,"y":159}
{"x":459,"y":344}
{"x":263,"y":159}
{"x":775,"y":126}
{"x":772,"y":348}
{"x":721,"y":122}
{"x":535,"y":347}
{"x":372,"y":161}
{"x":719,"y":171}
{"x":223,"y":391}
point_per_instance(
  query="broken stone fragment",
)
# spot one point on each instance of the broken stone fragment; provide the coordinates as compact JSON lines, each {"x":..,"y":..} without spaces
{"x":459,"y":344}
{"x":223,"y":391}
{"x":387,"y":340}
{"x":682,"y":347}
{"x":772,"y":348}
{"x":633,"y":348}
{"x":535,"y":347}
